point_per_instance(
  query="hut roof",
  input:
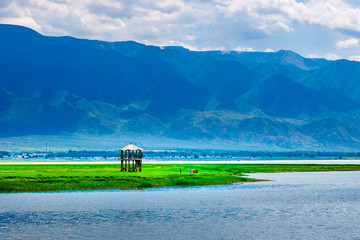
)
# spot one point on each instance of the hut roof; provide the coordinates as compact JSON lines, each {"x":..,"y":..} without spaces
{"x":131,"y":147}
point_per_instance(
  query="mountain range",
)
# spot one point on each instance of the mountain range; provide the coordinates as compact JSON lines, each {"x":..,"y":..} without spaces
{"x":64,"y":86}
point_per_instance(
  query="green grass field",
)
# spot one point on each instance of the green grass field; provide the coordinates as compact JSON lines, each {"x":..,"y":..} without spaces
{"x":19,"y":178}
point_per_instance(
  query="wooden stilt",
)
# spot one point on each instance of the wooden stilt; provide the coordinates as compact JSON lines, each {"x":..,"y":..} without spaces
{"x":131,"y":158}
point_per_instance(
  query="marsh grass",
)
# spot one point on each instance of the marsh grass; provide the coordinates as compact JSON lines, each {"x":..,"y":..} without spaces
{"x":19,"y":178}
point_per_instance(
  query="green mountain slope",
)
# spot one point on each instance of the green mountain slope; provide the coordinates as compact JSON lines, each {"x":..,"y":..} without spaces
{"x":75,"y":87}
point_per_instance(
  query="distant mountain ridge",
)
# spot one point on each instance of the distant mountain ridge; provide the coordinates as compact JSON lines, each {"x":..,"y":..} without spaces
{"x":281,"y":100}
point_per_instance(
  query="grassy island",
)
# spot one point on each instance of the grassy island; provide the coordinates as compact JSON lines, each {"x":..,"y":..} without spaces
{"x":20,"y":178}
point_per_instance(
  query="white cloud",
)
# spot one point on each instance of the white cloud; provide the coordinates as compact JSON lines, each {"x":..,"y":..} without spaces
{"x":222,"y":49}
{"x":354,"y":58}
{"x":244,"y":49}
{"x":313,"y":55}
{"x":328,"y":56}
{"x":332,"y":56}
{"x":177,"y":43}
{"x":331,"y":13}
{"x":276,"y":27}
{"x":140,"y":20}
{"x":269,"y":50}
{"x":200,"y":24}
{"x":350,"y":43}
{"x":25,"y":21}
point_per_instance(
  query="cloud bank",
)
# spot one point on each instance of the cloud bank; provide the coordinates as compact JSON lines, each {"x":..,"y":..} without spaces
{"x":350,"y":43}
{"x":196,"y":24}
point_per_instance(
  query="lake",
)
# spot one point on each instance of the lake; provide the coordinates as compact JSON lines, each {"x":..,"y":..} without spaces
{"x":322,"y":205}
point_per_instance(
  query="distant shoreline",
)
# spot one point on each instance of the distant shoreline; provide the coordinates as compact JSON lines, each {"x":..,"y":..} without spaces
{"x":304,"y":161}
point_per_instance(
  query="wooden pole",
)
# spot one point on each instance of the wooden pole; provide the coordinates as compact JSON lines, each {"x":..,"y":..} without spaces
{"x":127,"y":161}
{"x":122,"y":159}
{"x":140,"y":162}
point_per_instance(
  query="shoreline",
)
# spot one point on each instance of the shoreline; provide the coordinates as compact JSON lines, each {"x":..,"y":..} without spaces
{"x":58,"y":177}
{"x":304,"y":161}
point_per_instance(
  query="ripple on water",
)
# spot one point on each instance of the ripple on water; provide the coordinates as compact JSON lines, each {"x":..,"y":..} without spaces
{"x":292,"y":206}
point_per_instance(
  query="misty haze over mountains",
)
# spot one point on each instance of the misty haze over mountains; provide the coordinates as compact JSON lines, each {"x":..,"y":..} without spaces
{"x":73,"y":87}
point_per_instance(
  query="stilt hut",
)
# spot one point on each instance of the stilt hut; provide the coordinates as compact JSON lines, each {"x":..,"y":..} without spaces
{"x":131,"y":158}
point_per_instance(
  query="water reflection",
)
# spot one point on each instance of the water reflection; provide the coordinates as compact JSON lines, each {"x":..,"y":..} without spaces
{"x":293,"y":206}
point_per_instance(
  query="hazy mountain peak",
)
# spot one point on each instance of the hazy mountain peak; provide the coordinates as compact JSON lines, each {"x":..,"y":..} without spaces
{"x":65,"y":85}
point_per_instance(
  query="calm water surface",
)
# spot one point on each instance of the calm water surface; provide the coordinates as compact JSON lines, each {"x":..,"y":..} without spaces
{"x":293,"y":206}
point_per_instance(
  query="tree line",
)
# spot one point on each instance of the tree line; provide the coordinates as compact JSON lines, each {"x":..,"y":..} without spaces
{"x":188,"y":154}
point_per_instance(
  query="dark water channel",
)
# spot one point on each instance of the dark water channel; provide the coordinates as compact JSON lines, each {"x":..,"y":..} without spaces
{"x":293,"y":206}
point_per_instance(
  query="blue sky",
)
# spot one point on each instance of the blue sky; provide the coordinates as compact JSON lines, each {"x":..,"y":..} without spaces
{"x":313,"y":28}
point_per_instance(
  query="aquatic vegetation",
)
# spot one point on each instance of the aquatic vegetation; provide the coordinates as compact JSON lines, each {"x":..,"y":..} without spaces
{"x":19,"y":178}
